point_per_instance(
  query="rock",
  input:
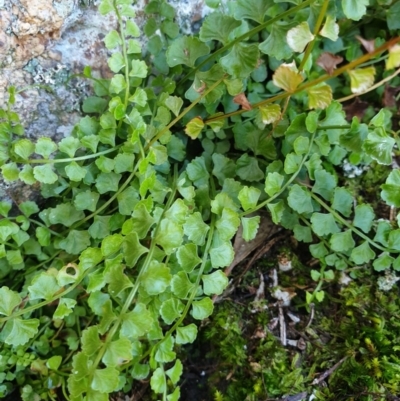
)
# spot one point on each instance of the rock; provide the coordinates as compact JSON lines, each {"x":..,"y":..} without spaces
{"x":45,"y":42}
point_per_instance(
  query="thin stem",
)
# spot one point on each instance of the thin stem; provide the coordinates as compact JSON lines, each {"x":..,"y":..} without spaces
{"x":183,"y":113}
{"x":70,"y":159}
{"x":245,"y":36}
{"x":291,"y":179}
{"x":314,"y":82}
{"x":377,"y":85}
{"x":317,"y":27}
{"x":339,"y":218}
{"x":129,"y":300}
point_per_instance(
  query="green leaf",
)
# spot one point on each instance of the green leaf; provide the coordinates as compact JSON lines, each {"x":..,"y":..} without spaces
{"x":217,"y":26}
{"x":299,"y":199}
{"x":19,"y":331}
{"x":171,"y":309}
{"x":362,"y":254}
{"x":156,"y":278}
{"x":379,"y":146}
{"x":133,"y":249}
{"x":383,"y":262}
{"x":224,"y":167}
{"x":141,"y":220}
{"x":43,"y":286}
{"x":24,"y":148}
{"x":131,"y":28}
{"x":277,"y":209}
{"x":65,"y":307}
{"x":69,"y":145}
{"x":75,"y":242}
{"x":186,"y":50}
{"x":108,"y":182}
{"x":287,"y":77}
{"x":248,"y":169}
{"x":361,"y":79}
{"x":136,"y":323}
{"x":355,"y":9}
{"x":324,"y":224}
{"x":343,"y":201}
{"x":241,"y":60}
{"x":106,"y":6}
{"x":139,"y":69}
{"x":175,"y":372}
{"x":186,"y":334}
{"x":105,"y":380}
{"x":174,"y":103}
{"x":117,"y":85}
{"x":194,"y":127}
{"x":45,"y":174}
{"x":165,"y":351}
{"x":112,"y":39}
{"x":118,"y":352}
{"x":394,"y":239}
{"x":116,"y":62}
{"x":10,"y":171}
{"x":250,"y":227}
{"x":187,"y":257}
{"x":302,"y":233}
{"x":393,"y":16}
{"x":100,"y":227}
{"x":28,"y":208}
{"x":222,"y":255}
{"x":158,"y":382}
{"x":299,"y":36}
{"x":273,"y":183}
{"x":181,"y":285}
{"x":202,"y":309}
{"x":90,"y":340}
{"x":75,"y":172}
{"x":195,"y":229}
{"x":214,"y":283}
{"x":248,"y":197}
{"x":342,"y":242}
{"x":227,"y":224}
{"x":251,"y":9}
{"x":275,"y":45}
{"x":364,"y":217}
{"x":325,"y":184}
{"x":301,"y":145}
{"x":86,"y":200}
{"x":45,"y":147}
{"x":5,"y":207}
{"x":197,"y":172}
{"x":169,"y":236}
{"x":54,"y":362}
{"x":9,"y":300}
{"x":7,"y":228}
{"x":391,"y":189}
{"x":111,"y":244}
{"x":124,"y":162}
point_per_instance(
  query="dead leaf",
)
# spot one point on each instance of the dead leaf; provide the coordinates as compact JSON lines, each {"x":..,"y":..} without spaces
{"x":369,"y":45}
{"x":389,"y":96}
{"x":243,"y":249}
{"x":329,"y":61}
{"x":242,"y":100}
{"x":355,"y":109}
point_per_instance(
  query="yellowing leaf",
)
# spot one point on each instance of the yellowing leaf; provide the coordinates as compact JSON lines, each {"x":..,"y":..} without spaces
{"x":287,"y":77}
{"x":361,"y":79}
{"x":394,"y":57}
{"x":319,"y":97}
{"x":194,"y":127}
{"x":331,"y":29}
{"x":270,"y":113}
{"x":299,"y":36}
